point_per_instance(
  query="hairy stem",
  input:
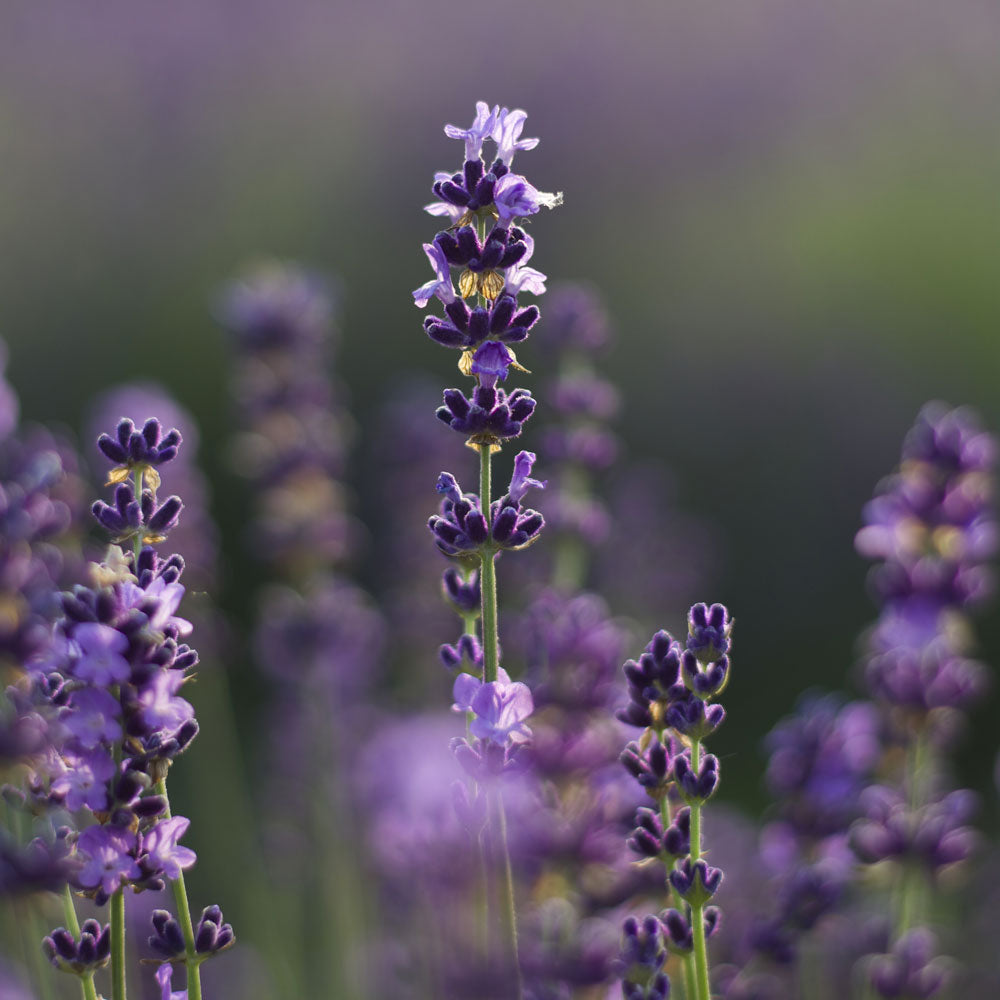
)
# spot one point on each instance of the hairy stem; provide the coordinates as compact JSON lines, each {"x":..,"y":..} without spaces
{"x":491,"y":656}
{"x":687,"y":963}
{"x":697,"y":912}
{"x":118,"y":987}
{"x":913,"y":886}
{"x":508,"y":911}
{"x":192,"y":960}
{"x":488,"y":575}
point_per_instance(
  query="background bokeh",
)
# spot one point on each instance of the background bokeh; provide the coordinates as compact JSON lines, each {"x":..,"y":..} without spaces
{"x":791,"y":208}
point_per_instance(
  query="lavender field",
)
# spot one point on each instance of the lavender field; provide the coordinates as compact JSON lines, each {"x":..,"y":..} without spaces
{"x":472,"y":551}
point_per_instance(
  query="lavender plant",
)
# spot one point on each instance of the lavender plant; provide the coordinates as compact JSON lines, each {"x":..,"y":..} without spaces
{"x":483,"y":204}
{"x":318,"y":639}
{"x":671,"y":687}
{"x":931,"y":528}
{"x":114,"y":670}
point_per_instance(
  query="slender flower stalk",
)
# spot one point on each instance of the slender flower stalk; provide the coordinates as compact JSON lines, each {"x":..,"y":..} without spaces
{"x":319,"y":638}
{"x":483,"y":201}
{"x":932,"y":529}
{"x":670,"y":690}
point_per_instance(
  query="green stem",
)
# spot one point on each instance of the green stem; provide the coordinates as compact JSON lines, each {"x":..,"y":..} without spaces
{"x":912,"y":889}
{"x":508,"y":909}
{"x":118,"y":988}
{"x":192,"y":959}
{"x":491,"y":657}
{"x":488,"y":574}
{"x":32,"y":932}
{"x":688,"y":961}
{"x":697,"y":912}
{"x":69,"y":913}
{"x":73,"y":926}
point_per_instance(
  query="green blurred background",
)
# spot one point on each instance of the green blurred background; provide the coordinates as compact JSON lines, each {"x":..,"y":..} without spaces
{"x":791,"y":208}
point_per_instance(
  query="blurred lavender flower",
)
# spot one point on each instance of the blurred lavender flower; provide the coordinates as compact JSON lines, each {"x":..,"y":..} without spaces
{"x":932,"y":528}
{"x":318,"y":636}
{"x":294,"y":430}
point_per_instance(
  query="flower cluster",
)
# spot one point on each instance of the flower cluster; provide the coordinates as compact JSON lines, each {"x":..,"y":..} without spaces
{"x":195,"y":536}
{"x":319,"y":639}
{"x":483,"y":203}
{"x":670,"y":688}
{"x":821,"y":760}
{"x":462,"y":528}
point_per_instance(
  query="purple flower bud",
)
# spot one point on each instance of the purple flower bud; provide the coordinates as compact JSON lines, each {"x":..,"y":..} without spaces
{"x":909,"y":970}
{"x":709,"y":629}
{"x":696,"y":789}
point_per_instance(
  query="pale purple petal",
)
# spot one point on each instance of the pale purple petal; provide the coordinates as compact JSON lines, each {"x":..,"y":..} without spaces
{"x":507,"y":134}
{"x":440,"y":285}
{"x":101,"y":662}
{"x":520,"y":481}
{"x":483,"y":127}
{"x":463,"y":691}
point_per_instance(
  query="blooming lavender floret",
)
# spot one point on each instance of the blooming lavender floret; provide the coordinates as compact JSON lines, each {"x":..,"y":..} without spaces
{"x":90,"y":951}
{"x":164,"y":975}
{"x":108,"y":855}
{"x":461,"y":528}
{"x":500,"y":710}
{"x":490,"y":416}
{"x":134,"y":449}
{"x":161,"y":851}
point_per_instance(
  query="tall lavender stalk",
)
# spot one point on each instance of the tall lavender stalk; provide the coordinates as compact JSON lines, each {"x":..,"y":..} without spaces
{"x":671,"y":687}
{"x":37,"y":557}
{"x":115,"y":670}
{"x":483,"y":202}
{"x":319,"y":639}
{"x":932,"y":528}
